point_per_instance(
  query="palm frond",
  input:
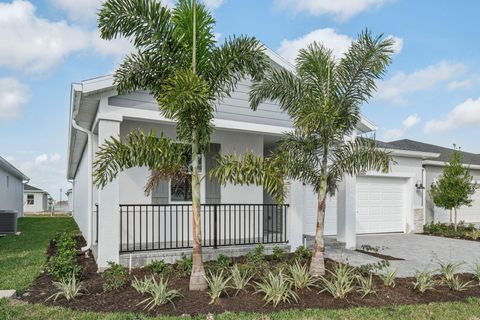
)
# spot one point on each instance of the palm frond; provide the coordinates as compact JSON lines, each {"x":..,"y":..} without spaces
{"x":357,"y":157}
{"x":139,"y":150}
{"x":233,"y":61}
{"x":144,"y":22}
{"x":250,"y":169}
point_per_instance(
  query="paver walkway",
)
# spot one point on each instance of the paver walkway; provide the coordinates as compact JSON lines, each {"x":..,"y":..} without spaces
{"x":420,"y":252}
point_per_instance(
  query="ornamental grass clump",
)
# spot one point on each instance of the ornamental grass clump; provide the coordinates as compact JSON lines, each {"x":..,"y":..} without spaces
{"x":388,"y":278}
{"x":448,"y":270}
{"x":424,"y":281}
{"x":142,"y":286}
{"x":276,"y":288}
{"x":217,"y":284}
{"x":69,"y":287}
{"x":300,"y":277}
{"x":159,"y":292}
{"x":476,"y":271}
{"x":341,"y":281}
{"x":240,"y":278}
{"x":458,"y":285}
{"x":365,"y":284}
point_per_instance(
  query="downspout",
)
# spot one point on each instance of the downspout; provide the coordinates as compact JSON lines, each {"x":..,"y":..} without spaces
{"x":89,"y":182}
{"x":424,"y":192}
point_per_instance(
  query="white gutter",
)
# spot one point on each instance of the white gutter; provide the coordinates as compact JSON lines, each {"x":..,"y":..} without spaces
{"x":412,"y":154}
{"x":89,"y":182}
{"x":442,"y":164}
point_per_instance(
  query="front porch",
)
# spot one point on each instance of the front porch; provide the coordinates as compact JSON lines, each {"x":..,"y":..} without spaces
{"x":164,"y":231}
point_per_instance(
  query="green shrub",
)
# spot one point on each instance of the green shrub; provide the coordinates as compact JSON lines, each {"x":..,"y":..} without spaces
{"x":64,"y":262}
{"x":276,"y":288}
{"x":300,"y":276}
{"x":184,"y":265}
{"x":278,"y":253}
{"x":448,"y":270}
{"x":388,"y":278}
{"x":240,"y":278}
{"x":223,"y":262}
{"x":159,"y":292}
{"x":68,"y":287}
{"x":217,"y":283}
{"x":303,"y":253}
{"x":115,"y":277}
{"x":476,"y":271}
{"x":341,"y":281}
{"x":458,"y":285}
{"x":142,"y":286}
{"x":365,"y":285}
{"x":159,"y":267}
{"x":424,"y":281}
{"x":255,"y":260}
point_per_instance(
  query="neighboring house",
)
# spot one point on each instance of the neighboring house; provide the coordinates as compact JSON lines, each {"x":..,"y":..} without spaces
{"x":11,"y":187}
{"x":69,"y":195}
{"x":35,"y":200}
{"x":121,"y":223}
{"x":433,"y":169}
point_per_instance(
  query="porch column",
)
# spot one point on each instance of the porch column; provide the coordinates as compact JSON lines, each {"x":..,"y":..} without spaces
{"x":108,"y":205}
{"x":296,"y":200}
{"x":346,"y":213}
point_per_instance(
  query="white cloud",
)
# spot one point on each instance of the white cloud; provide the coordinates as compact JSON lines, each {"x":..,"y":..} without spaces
{"x":213,"y":4}
{"x":33,"y":43}
{"x":116,"y":47}
{"x":461,"y":84}
{"x":337,"y":42}
{"x":13,"y":97}
{"x":465,"y":114}
{"x":340,"y":9}
{"x":398,"y":87}
{"x":408,"y":123}
{"x":79,"y":10}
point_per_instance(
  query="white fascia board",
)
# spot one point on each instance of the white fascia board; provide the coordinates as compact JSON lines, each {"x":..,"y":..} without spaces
{"x":412,"y":154}
{"x":278,"y":59}
{"x":442,"y":164}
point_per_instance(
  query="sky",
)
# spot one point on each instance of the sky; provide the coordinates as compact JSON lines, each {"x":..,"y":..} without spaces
{"x":430,"y":92}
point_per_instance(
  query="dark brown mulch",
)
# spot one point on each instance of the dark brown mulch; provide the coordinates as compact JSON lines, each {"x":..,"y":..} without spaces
{"x":127,"y":299}
{"x":379,"y":255}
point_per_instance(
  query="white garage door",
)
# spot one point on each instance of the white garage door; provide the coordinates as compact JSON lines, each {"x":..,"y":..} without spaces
{"x":466,"y":214}
{"x":310,"y":214}
{"x":380,"y":205}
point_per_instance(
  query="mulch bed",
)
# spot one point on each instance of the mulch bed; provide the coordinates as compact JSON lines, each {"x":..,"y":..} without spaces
{"x":379,"y":255}
{"x":127,"y":299}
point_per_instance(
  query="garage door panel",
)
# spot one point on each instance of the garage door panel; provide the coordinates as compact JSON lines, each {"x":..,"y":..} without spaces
{"x":380,"y":204}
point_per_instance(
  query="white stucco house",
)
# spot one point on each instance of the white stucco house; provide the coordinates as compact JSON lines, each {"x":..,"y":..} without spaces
{"x":11,"y":187}
{"x":35,"y":200}
{"x":120,"y":221}
{"x":69,"y":195}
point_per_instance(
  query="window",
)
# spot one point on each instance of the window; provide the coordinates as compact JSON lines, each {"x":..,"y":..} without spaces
{"x":181,"y":186}
{"x":30,"y":199}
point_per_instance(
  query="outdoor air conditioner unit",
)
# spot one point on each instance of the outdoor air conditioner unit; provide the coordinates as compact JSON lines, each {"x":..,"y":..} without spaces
{"x":8,"y":222}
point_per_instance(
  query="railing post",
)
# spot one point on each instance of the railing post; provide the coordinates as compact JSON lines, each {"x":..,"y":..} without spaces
{"x":215,"y":226}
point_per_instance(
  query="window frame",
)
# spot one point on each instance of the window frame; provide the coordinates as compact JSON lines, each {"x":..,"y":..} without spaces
{"x":33,"y":199}
{"x":202,"y":170}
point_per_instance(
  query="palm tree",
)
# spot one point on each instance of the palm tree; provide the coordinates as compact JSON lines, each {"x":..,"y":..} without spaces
{"x":323,"y":98}
{"x":178,"y":61}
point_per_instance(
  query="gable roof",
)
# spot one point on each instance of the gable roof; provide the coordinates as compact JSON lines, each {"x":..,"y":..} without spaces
{"x":7,"y":166}
{"x":444,"y":153}
{"x":31,"y":188}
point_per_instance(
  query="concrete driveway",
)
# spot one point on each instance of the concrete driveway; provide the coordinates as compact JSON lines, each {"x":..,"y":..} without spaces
{"x":423,"y":252}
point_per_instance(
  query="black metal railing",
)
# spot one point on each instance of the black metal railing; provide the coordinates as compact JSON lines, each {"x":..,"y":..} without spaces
{"x":164,"y":227}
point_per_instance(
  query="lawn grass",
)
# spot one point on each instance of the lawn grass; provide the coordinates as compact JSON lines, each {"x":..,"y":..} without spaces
{"x":470,"y":309}
{"x":22,"y":257}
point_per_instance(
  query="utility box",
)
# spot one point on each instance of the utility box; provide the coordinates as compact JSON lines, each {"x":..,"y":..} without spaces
{"x":8,"y":222}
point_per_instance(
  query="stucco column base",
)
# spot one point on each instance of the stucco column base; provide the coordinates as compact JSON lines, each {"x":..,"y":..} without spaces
{"x":197,"y":279}
{"x":317,"y":265}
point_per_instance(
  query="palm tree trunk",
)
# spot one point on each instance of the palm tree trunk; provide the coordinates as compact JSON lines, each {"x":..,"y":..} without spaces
{"x":197,"y":278}
{"x":317,"y":265}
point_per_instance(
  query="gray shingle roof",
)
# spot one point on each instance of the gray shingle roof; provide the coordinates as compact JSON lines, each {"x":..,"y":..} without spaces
{"x":411,"y":145}
{"x":28,"y":187}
